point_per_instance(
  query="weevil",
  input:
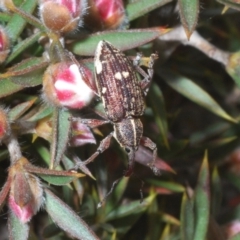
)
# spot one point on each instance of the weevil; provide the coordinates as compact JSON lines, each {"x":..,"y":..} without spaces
{"x":122,"y":95}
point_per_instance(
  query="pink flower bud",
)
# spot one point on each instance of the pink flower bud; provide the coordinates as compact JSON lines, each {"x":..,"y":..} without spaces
{"x":4,"y":124}
{"x":81,"y":135}
{"x":62,"y":15}
{"x":64,"y":85}
{"x":106,"y":14}
{"x":4,"y":45}
{"x":26,"y":193}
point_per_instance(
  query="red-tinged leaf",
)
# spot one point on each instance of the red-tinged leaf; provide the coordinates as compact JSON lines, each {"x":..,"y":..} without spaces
{"x":27,"y":73}
{"x":122,"y":39}
{"x":144,"y":157}
{"x":172,"y":186}
{"x":54,"y":177}
{"x":60,"y":137}
{"x":202,"y":201}
{"x":138,"y":8}
{"x":66,"y":218}
{"x":81,"y":134}
{"x":20,"y":109}
{"x":163,"y":191}
{"x":189,"y":10}
{"x":16,"y":229}
{"x":5,"y":190}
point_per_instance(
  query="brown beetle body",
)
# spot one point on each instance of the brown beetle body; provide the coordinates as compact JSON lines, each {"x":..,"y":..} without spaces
{"x":117,"y":83}
{"x":123,"y":99}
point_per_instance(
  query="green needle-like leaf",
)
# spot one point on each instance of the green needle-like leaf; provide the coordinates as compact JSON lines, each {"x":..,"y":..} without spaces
{"x":202,"y":202}
{"x":66,"y":218}
{"x":123,"y":40}
{"x":138,"y":8}
{"x":192,"y":91}
{"x":187,"y":218}
{"x":17,"y":24}
{"x":61,"y":129}
{"x":189,"y":10}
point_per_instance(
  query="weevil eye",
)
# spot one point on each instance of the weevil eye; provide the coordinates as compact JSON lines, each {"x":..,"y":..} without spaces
{"x":128,"y":150}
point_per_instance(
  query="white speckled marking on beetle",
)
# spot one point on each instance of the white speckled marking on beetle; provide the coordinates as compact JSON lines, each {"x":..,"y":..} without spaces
{"x":98,"y":62}
{"x":118,"y":76}
{"x":125,"y":74}
{"x":104,"y":90}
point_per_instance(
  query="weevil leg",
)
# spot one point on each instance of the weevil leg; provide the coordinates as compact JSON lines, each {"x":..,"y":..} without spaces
{"x":147,"y":76}
{"x":131,"y":162}
{"x":104,"y":144}
{"x":147,"y":142}
{"x":92,"y":123}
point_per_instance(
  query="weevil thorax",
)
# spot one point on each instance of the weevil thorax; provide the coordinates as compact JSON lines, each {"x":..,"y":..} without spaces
{"x":117,"y":83}
{"x":128,"y":133}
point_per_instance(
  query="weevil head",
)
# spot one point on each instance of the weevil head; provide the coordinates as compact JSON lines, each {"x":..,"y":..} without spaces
{"x":128,"y":133}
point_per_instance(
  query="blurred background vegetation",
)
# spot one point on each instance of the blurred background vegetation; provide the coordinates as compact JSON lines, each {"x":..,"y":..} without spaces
{"x":192,"y":114}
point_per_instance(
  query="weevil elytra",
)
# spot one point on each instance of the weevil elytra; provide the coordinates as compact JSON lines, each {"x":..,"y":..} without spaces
{"x":122,"y":95}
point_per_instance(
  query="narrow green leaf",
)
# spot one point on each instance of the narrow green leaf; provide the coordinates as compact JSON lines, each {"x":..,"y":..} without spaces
{"x":20,"y":109}
{"x":17,"y":24}
{"x":232,"y":4}
{"x":189,"y":10}
{"x":202,"y":202}
{"x":192,"y":91}
{"x":28,"y":73}
{"x":57,"y":180}
{"x":130,"y":208}
{"x":61,"y":130}
{"x":138,"y":8}
{"x":187,"y":218}
{"x":9,"y":87}
{"x":23,"y":45}
{"x":66,"y":218}
{"x":117,"y":194}
{"x":216,"y":189}
{"x":158,"y":106}
{"x":16,"y":229}
{"x":172,"y":186}
{"x":123,"y":40}
{"x":40,"y":113}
